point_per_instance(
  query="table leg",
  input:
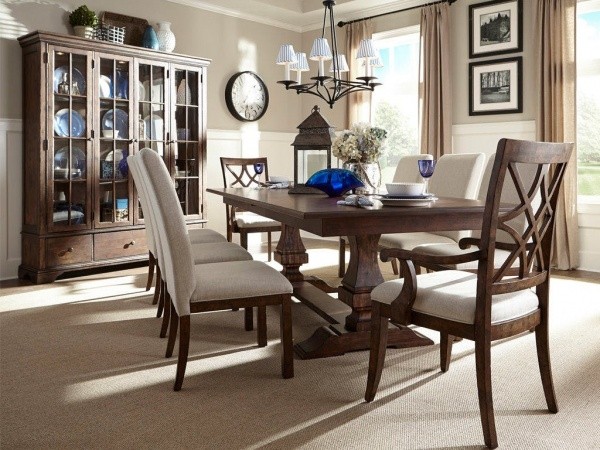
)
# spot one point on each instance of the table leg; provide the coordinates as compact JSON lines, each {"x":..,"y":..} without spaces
{"x":362,"y":276}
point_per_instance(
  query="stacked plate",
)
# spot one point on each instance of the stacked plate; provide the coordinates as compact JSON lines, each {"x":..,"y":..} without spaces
{"x":403,"y":200}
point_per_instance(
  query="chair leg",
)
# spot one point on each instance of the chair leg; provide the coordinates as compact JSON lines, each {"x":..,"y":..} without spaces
{"x":287,"y":356}
{"x":184,"y":348}
{"x":484,"y":389}
{"x":151,"y":265}
{"x":446,"y":341}
{"x":394,"y":262}
{"x":167,"y":316}
{"x":248,"y":319}
{"x":172,"y":332}
{"x":161,"y":299}
{"x":261,"y":326}
{"x":244,"y":239}
{"x":379,"y":332}
{"x":342,"y":259}
{"x":157,"y":286}
{"x":543,"y":352}
{"x":269,"y":246}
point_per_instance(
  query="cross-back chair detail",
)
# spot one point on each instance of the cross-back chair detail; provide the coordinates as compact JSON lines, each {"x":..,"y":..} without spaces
{"x":498,"y":301}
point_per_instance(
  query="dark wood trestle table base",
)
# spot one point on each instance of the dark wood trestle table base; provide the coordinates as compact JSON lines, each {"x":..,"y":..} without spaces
{"x":320,"y":215}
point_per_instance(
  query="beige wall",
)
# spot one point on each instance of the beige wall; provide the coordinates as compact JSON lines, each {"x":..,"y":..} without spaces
{"x":233,"y":45}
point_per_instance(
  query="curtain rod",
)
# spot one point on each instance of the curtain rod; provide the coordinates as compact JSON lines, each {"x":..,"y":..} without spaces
{"x":342,"y":23}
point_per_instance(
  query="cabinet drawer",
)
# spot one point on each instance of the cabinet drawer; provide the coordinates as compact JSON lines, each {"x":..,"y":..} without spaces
{"x":68,"y":250}
{"x":120,"y":244}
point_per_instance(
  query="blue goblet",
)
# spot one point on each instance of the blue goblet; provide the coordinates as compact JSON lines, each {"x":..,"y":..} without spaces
{"x":259,"y":168}
{"x":426,"y":167}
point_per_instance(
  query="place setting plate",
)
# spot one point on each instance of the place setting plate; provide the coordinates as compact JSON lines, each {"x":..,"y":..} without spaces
{"x":403,"y":200}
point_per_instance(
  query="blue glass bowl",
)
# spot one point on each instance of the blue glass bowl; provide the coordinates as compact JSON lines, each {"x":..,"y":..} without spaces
{"x":334,"y":182}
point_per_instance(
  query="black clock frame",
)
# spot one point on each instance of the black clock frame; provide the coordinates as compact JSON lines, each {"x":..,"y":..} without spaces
{"x":229,"y":100}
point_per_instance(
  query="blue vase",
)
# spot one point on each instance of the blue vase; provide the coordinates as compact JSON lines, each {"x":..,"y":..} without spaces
{"x":150,"y":39}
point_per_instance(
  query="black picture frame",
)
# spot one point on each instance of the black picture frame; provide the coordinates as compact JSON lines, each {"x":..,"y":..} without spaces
{"x":495,"y":28}
{"x":496,"y":87}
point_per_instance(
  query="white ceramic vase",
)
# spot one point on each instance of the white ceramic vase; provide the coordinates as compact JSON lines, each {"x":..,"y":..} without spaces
{"x":166,"y":38}
{"x":83,"y":31}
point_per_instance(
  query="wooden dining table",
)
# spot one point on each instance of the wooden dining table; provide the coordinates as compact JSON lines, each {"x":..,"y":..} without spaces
{"x":322,"y":216}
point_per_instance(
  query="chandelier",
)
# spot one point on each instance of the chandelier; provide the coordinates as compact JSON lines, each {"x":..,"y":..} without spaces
{"x":329,"y":88}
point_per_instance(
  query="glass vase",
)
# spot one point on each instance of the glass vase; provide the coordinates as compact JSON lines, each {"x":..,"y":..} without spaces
{"x":368,"y":173}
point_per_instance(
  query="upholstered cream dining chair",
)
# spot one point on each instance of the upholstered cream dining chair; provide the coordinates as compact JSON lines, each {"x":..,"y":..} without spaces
{"x":496,"y":302}
{"x":211,"y":286}
{"x":203,"y":252}
{"x":455,"y":175}
{"x":407,"y":171}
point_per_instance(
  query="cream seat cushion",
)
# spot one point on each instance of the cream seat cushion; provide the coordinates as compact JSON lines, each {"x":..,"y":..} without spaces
{"x":453,"y":249}
{"x":214,"y":252}
{"x":450,"y":294}
{"x":237,"y":279}
{"x":251,"y":220}
{"x":408,"y":241}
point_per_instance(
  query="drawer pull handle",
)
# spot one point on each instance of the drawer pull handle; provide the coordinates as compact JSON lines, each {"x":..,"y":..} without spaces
{"x":64,"y":252}
{"x":130,"y":244}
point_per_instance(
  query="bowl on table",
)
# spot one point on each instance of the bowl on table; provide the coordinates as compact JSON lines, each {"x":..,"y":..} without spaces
{"x":405,"y":189}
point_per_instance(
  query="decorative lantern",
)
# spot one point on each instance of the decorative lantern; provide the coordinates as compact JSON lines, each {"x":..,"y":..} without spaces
{"x":312,"y":148}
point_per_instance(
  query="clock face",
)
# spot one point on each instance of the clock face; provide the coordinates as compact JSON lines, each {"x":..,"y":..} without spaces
{"x":246,"y":96}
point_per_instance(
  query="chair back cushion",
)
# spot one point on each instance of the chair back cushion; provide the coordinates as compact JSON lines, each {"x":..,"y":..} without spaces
{"x":141,"y":192}
{"x":407,"y":170}
{"x":458,"y":176}
{"x":178,"y":266}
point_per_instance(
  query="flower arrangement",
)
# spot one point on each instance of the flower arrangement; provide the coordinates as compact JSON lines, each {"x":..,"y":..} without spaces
{"x":362,"y":143}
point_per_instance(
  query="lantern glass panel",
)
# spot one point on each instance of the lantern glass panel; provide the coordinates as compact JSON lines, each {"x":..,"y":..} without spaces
{"x":309,"y":162}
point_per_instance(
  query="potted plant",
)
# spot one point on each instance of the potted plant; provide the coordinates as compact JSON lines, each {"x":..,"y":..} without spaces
{"x":83,"y":20}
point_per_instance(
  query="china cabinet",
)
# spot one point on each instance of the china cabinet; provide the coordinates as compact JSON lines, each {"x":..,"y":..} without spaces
{"x":87,"y":106}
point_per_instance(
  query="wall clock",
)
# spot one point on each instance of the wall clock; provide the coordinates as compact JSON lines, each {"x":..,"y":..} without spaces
{"x":246,"y":96}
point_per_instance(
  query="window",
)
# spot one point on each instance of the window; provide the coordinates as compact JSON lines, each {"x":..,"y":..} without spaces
{"x":588,"y":100}
{"x":395,"y":104}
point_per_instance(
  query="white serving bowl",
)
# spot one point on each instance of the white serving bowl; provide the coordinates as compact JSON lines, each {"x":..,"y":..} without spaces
{"x":110,"y":133}
{"x":405,"y":189}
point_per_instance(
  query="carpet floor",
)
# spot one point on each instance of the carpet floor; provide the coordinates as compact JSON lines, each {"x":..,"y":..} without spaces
{"x":82,"y":366}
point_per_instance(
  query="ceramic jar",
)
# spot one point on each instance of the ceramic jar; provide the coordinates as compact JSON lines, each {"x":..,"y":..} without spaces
{"x":166,"y":38}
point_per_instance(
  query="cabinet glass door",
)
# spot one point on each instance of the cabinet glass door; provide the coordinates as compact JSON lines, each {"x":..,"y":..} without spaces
{"x":152,"y":120}
{"x":115,"y":99}
{"x":186,"y":149}
{"x":69,"y":140}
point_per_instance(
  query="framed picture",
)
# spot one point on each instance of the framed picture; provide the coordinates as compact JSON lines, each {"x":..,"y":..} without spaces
{"x":495,"y":87}
{"x":495,"y":28}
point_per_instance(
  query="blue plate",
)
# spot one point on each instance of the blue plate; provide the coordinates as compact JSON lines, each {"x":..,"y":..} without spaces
{"x":77,"y":78}
{"x":116,"y":119}
{"x":61,"y":123}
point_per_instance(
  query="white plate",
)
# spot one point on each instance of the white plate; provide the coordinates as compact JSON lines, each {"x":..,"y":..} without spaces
{"x":61,"y":123}
{"x":117,"y":155}
{"x":154,"y":127}
{"x":407,"y":201}
{"x":105,"y":85}
{"x":61,"y":163}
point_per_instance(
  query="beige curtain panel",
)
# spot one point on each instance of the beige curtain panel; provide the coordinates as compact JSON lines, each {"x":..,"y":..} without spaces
{"x":359,"y":103}
{"x":435,"y":109}
{"x":555,"y":20}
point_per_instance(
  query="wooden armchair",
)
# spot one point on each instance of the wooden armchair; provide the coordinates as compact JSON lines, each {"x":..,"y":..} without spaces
{"x":493,"y":303}
{"x":206,"y":287}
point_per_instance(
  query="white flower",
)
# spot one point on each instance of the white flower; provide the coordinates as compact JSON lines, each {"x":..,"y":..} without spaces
{"x":361,"y":143}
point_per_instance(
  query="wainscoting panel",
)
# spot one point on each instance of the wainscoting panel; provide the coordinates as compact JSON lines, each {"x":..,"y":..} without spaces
{"x":11,"y":196}
{"x":484,"y":137}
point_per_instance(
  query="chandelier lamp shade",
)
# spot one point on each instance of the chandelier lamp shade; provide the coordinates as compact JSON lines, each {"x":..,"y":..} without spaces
{"x":329,"y":88}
